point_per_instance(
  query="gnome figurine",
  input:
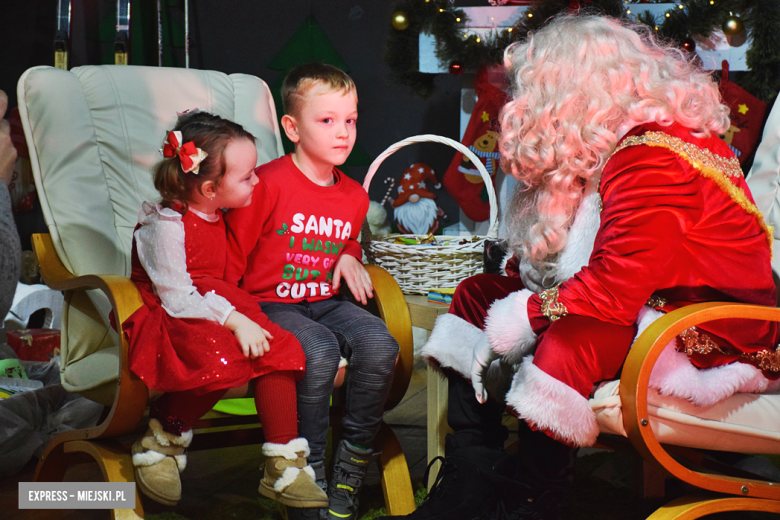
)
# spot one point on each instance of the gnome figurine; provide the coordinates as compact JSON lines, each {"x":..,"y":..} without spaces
{"x":415,"y":211}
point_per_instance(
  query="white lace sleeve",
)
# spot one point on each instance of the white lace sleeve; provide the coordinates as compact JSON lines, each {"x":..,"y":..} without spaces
{"x":160,"y":245}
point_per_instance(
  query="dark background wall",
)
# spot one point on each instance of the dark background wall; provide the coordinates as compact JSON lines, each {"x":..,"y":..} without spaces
{"x":244,"y":36}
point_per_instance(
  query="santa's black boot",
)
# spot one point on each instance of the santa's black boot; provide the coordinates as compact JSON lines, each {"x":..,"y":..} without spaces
{"x":462,"y":489}
{"x":533,"y":483}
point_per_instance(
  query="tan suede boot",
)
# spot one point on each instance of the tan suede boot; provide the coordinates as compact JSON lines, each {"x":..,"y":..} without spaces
{"x":158,"y":458}
{"x":287,"y":478}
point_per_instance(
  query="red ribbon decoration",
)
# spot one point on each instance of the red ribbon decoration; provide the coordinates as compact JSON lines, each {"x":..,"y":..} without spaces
{"x":172,"y":148}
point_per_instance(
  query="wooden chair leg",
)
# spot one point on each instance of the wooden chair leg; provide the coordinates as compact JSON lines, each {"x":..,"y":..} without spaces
{"x":54,"y":462}
{"x":653,"y":480}
{"x":437,"y":418}
{"x":394,"y":472}
{"x":116,"y":465}
{"x":691,"y":507}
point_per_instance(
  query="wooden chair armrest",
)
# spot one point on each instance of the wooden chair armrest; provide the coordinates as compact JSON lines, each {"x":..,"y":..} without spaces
{"x":124,"y":296}
{"x":395,"y":312}
{"x":634,"y":387}
{"x":132,"y":395}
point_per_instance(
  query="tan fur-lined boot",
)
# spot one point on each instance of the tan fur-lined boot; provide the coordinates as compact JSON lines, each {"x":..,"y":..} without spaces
{"x":158,"y":458}
{"x":287,"y":478}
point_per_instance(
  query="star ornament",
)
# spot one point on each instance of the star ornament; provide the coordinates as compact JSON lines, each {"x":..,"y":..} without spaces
{"x":407,"y":176}
{"x":743,"y":109}
{"x":485,"y":116}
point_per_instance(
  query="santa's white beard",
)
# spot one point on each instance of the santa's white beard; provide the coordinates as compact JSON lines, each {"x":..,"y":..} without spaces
{"x":417,"y":217}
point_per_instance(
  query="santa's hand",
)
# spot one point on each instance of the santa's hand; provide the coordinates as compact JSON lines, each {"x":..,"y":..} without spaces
{"x":358,"y":280}
{"x":483,"y":357}
{"x":532,"y":278}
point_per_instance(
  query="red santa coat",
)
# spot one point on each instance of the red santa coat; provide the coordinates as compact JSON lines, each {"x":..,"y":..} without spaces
{"x":675,"y":225}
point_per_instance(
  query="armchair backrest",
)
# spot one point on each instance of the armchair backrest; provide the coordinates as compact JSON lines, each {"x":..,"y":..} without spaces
{"x":94,"y":133}
{"x":764,"y":182}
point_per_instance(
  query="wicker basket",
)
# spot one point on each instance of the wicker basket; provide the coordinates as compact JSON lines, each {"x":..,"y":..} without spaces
{"x":418,"y":268}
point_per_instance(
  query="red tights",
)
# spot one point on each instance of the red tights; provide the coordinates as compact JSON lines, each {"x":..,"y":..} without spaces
{"x":275,"y":400}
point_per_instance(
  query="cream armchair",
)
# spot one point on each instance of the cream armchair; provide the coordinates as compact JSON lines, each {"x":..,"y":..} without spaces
{"x":93,"y":135}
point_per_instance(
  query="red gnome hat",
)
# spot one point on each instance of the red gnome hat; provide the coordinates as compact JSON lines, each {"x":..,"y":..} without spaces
{"x":412,"y":182}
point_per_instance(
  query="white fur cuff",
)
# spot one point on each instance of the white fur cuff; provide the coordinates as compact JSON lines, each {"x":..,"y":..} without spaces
{"x":147,"y":458}
{"x":289,"y":451}
{"x":287,"y":478}
{"x":674,"y":374}
{"x":310,"y":471}
{"x":181,"y":461}
{"x":508,"y":328}
{"x":553,"y":406}
{"x":452,"y":343}
{"x":166,"y":439}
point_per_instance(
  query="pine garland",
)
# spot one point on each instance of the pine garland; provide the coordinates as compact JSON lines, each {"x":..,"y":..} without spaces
{"x":437,"y":17}
{"x":763,"y":57}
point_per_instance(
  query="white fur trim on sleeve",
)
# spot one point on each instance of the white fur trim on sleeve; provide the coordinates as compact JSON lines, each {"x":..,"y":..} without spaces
{"x":289,"y":451}
{"x":647,"y":315}
{"x":551,"y":405}
{"x":288,"y":477}
{"x":673,"y":374}
{"x":452,"y":343}
{"x":508,"y":328}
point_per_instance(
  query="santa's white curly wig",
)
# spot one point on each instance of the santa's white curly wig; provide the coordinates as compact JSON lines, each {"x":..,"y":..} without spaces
{"x":578,"y":84}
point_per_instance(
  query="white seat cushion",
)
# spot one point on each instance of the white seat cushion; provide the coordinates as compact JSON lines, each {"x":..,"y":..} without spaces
{"x":747,"y":423}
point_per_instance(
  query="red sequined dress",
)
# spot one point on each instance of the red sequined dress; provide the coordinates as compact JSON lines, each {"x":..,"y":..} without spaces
{"x":177,"y":339}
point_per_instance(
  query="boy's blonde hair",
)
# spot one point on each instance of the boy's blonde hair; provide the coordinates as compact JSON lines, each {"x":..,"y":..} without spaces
{"x":303,"y":77}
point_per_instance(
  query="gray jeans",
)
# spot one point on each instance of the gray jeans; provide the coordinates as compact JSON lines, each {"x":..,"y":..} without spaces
{"x":327,"y":330}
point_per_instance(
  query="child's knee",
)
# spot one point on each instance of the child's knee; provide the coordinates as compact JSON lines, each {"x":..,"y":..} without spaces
{"x":323,"y":360}
{"x":376,"y":348}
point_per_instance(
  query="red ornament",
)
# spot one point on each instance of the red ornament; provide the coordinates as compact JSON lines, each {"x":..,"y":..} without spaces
{"x":456,"y":68}
{"x":689,"y":45}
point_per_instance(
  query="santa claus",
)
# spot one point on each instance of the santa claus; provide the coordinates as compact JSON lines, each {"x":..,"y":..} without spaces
{"x":415,"y":211}
{"x":630,"y":206}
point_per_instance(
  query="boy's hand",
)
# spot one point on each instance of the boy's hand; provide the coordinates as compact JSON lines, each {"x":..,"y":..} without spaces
{"x":352,"y":271}
{"x":252,"y":337}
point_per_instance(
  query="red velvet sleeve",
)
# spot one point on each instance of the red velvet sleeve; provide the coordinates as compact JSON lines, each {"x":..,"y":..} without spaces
{"x":650,"y":201}
{"x":245,"y":226}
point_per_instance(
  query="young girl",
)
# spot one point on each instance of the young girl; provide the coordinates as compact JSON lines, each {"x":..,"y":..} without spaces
{"x":198,"y":336}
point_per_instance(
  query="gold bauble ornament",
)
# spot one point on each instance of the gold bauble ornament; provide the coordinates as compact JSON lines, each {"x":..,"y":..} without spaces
{"x":400,"y":21}
{"x":732,"y":25}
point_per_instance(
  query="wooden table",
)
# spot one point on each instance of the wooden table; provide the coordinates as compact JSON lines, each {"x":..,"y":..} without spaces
{"x":423,"y":314}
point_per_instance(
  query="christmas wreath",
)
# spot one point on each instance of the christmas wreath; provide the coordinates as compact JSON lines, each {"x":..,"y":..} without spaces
{"x":468,"y":51}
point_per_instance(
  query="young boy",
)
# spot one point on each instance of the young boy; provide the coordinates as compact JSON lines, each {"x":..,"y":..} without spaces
{"x":294,"y":248}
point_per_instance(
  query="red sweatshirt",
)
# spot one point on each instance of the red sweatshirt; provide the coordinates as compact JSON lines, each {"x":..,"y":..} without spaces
{"x":283,"y":246}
